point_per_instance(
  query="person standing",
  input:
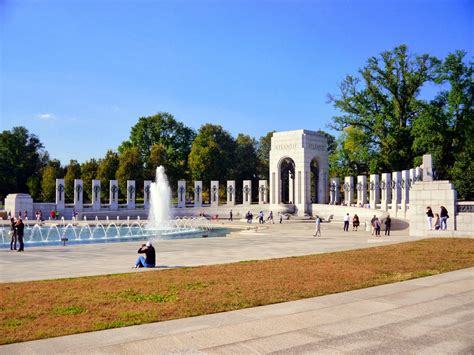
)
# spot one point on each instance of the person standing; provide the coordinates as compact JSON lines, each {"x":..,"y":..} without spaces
{"x":377,"y":227}
{"x":346,"y":222}
{"x":317,"y":230}
{"x":444,"y":218}
{"x":150,"y":256}
{"x":429,"y":217}
{"x":20,"y":230}
{"x":436,"y":221}
{"x":355,"y":222}
{"x":230,"y":215}
{"x":281,"y":217}
{"x":260,"y":218}
{"x":388,"y":224}
{"x":372,"y":224}
{"x":13,"y":234}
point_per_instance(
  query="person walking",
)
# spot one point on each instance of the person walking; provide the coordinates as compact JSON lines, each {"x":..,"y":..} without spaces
{"x":281,"y":217}
{"x":13,"y":234}
{"x":150,"y":256}
{"x":20,"y":230}
{"x":388,"y":224}
{"x":429,"y":217}
{"x":346,"y":223}
{"x":444,"y":218}
{"x":372,"y":224}
{"x":230,"y":215}
{"x":317,"y":230}
{"x":260,"y":217}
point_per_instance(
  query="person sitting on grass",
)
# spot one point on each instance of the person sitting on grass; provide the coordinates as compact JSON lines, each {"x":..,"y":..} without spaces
{"x":149,"y":259}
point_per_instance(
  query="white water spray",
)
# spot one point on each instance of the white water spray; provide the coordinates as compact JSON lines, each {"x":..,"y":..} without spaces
{"x":160,"y":196}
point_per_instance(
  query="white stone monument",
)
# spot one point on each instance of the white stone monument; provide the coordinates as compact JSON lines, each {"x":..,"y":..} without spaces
{"x":197,"y":193}
{"x":95,"y":195}
{"x":181,"y":193}
{"x":78,"y":195}
{"x":262,"y":192}
{"x":113,"y":195}
{"x":231,"y":192}
{"x":60,"y":194}
{"x":214,"y":193}
{"x":405,"y":188}
{"x":131,"y":194}
{"x":247,"y":192}
{"x":19,"y":203}
{"x":146,"y":193}
{"x":299,"y":158}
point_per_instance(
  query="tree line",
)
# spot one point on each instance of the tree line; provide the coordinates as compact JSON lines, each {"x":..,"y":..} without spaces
{"x":384,"y":126}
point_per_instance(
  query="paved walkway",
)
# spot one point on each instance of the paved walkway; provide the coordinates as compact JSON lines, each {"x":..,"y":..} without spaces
{"x":428,"y":315}
{"x":271,"y":241}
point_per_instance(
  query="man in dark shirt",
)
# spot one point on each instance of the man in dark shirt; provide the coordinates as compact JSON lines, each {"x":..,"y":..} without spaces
{"x":150,"y":256}
{"x":20,"y":232}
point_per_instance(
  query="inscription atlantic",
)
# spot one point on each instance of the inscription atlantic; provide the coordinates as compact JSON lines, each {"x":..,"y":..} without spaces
{"x":287,"y":146}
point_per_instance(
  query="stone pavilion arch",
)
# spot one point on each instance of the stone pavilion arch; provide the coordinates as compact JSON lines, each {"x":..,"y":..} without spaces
{"x":299,"y":169}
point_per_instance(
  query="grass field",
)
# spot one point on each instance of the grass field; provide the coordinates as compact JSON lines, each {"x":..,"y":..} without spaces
{"x":41,"y":309}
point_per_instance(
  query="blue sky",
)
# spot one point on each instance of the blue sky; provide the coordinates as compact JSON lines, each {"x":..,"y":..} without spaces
{"x":79,"y":73}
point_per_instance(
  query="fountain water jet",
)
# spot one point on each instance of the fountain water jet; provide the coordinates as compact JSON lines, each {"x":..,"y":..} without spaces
{"x":160,"y":197}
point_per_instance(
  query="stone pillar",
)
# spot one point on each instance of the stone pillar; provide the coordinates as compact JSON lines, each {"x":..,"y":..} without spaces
{"x":374,"y":187}
{"x":131,"y":194}
{"x":181,"y":193}
{"x":334,"y":191}
{"x":427,"y":167}
{"x":60,"y":194}
{"x":405,"y":188}
{"x":247,"y":192}
{"x":197,"y":193}
{"x":386,"y":190}
{"x":396,"y":190}
{"x":291,"y":187}
{"x":78,"y":195}
{"x":348,"y":190}
{"x":113,"y":195}
{"x":262,"y":192}
{"x":361,"y":190}
{"x":231,"y":192}
{"x":214,"y":193}
{"x":95,"y":195}
{"x":418,"y":173}
{"x":412,"y":176}
{"x":146,"y":193}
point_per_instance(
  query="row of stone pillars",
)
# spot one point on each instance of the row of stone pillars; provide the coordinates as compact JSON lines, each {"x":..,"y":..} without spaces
{"x":391,"y":188}
{"x":131,"y":194}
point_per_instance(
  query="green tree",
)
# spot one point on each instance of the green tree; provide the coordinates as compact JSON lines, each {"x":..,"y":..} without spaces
{"x":157,"y":157}
{"x":212,"y":154}
{"x":130,"y":168}
{"x":21,"y":157}
{"x":106,"y":170}
{"x":446,"y":126}
{"x":381,"y":103}
{"x":88,"y":173}
{"x":174,"y":136}
{"x":50,"y":173}
{"x":73,"y":171}
{"x":263,"y":154}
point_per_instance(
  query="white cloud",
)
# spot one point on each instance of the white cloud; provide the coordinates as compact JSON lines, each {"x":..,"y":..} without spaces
{"x":46,"y":117}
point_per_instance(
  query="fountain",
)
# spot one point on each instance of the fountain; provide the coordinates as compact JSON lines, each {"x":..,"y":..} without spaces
{"x":160,"y":225}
